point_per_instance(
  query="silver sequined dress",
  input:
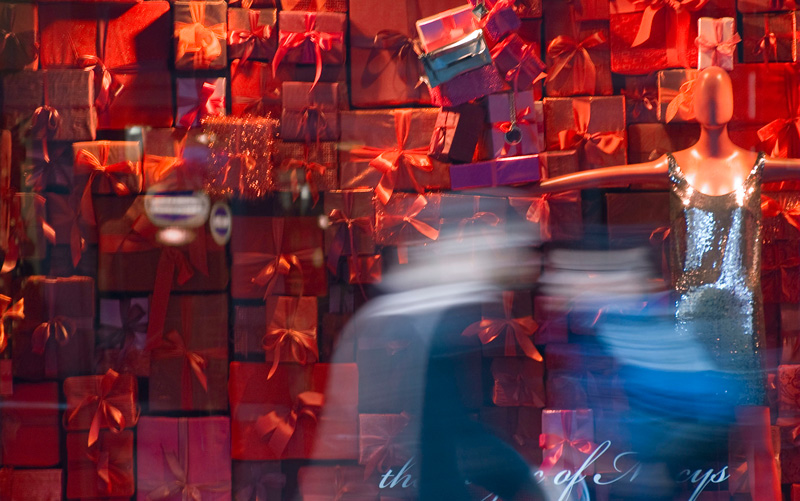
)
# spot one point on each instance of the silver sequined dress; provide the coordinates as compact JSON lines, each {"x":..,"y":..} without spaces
{"x":715,"y":257}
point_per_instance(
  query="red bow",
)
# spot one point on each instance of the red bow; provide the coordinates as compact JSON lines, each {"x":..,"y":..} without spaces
{"x":772,"y":208}
{"x":778,"y":135}
{"x":679,"y":20}
{"x":555,"y":446}
{"x":595,"y":146}
{"x":206,"y":104}
{"x":539,"y":210}
{"x":249,"y":39}
{"x":640,"y":96}
{"x":9,"y":311}
{"x":380,"y":446}
{"x":345,"y":232}
{"x":320,"y":41}
{"x":517,"y":330}
{"x":282,"y":329}
{"x":410,"y":218}
{"x":85,"y":161}
{"x":313,"y":170}
{"x":564,"y":50}
{"x":45,"y":121}
{"x":59,"y":328}
{"x":107,"y":462}
{"x":106,"y":413}
{"x":198,"y":40}
{"x":279,"y":426}
{"x":527,"y":61}
{"x":717,"y":45}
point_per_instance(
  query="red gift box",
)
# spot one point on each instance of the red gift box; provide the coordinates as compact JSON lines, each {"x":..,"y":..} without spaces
{"x":188,"y":368}
{"x":467,"y":215}
{"x":174,"y":159}
{"x":56,"y":339}
{"x":310,"y":112}
{"x":649,"y":36}
{"x":19,"y":20}
{"x":53,"y":173}
{"x":198,"y":98}
{"x":644,"y":215}
{"x":24,"y":233}
{"x":407,"y":219}
{"x":365,"y":269}
{"x":301,"y":165}
{"x":387,"y":150}
{"x":70,"y":224}
{"x":296,"y":413}
{"x":29,"y":422}
{"x":254,"y":90}
{"x":122,"y":335}
{"x":518,"y":382}
{"x":647,"y":142}
{"x":131,"y":81}
{"x":285,"y":332}
{"x":315,"y":5}
{"x":506,"y":330}
{"x":200,"y":32}
{"x":528,"y":117}
{"x":641,"y":98}
{"x":567,"y":439}
{"x":252,"y":33}
{"x":183,"y":457}
{"x":30,"y":485}
{"x":675,"y":95}
{"x":769,"y":37}
{"x":716,"y":42}
{"x":790,"y":333}
{"x":519,"y":63}
{"x":789,"y":391}
{"x":310,"y":38}
{"x":455,"y":134}
{"x":789,"y":451}
{"x":103,"y":470}
{"x":288,"y":261}
{"x":107,"y":168}
{"x":468,"y":86}
{"x":258,"y":480}
{"x":386,"y":441}
{"x":100,"y":402}
{"x":519,"y":427}
{"x":351,"y":217}
{"x":595,"y":126}
{"x":748,"y":6}
{"x":780,"y":216}
{"x":316,"y":483}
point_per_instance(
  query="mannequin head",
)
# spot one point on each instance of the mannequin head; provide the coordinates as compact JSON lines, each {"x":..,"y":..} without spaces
{"x":713,"y":97}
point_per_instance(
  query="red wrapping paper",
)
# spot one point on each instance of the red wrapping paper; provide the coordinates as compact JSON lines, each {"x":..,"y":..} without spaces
{"x":56,"y":339}
{"x":20,"y":50}
{"x":780,"y":216}
{"x":310,"y":38}
{"x":181,"y":457}
{"x":518,"y":382}
{"x":788,"y":268}
{"x":109,"y":401}
{"x":506,"y":327}
{"x":254,"y":90}
{"x":53,"y":174}
{"x":283,"y":331}
{"x":351,"y":217}
{"x":365,"y":269}
{"x":125,"y":46}
{"x":257,"y":480}
{"x":107,"y":168}
{"x":769,"y":37}
{"x":122,"y":336}
{"x":29,"y":426}
{"x":770,"y":274}
{"x":200,"y":30}
{"x":103,"y":470}
{"x":277,"y":256}
{"x":789,"y":452}
{"x":198,"y":98}
{"x":648,"y":142}
{"x":644,"y":215}
{"x":386,"y":441}
{"x":310,"y":112}
{"x":316,"y":483}
{"x":174,"y":159}
{"x":455,"y":135}
{"x":72,"y":225}
{"x":567,"y":439}
{"x":407,"y":219}
{"x":188,"y":368}
{"x":24,"y":233}
{"x":529,"y":117}
{"x":677,"y":86}
{"x":649,"y":36}
{"x":30,"y":485}
{"x":387,"y":150}
{"x":252,"y":33}
{"x":595,"y":126}
{"x":301,"y":166}
{"x":301,"y":412}
{"x":468,"y":86}
{"x":519,"y":427}
{"x":790,"y":333}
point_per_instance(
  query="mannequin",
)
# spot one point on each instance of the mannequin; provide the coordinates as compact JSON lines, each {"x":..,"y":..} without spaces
{"x":715,"y":191}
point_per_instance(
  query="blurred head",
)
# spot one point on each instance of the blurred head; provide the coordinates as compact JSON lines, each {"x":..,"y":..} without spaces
{"x":713,"y":97}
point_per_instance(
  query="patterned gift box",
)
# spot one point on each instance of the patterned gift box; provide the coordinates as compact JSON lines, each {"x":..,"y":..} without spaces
{"x":716,"y":42}
{"x":529,"y":118}
{"x":179,"y":456}
{"x":20,"y":51}
{"x":188,"y":367}
{"x":519,"y":427}
{"x":497,"y":172}
{"x":254,"y":90}
{"x":29,"y":422}
{"x":56,"y":339}
{"x":258,"y":480}
{"x":647,"y":142}
{"x":506,"y":327}
{"x":273,"y":255}
{"x":122,"y":336}
{"x":127,"y":48}
{"x":518,"y":382}
{"x":94,"y":403}
{"x":301,"y":165}
{"x":769,"y":37}
{"x":386,"y":441}
{"x":567,"y":439}
{"x":198,"y":98}
{"x":200,"y":32}
{"x":252,"y":33}
{"x":316,"y":483}
{"x":30,"y":485}
{"x":455,"y":134}
{"x":104,"y":470}
{"x":310,"y":112}
{"x":294,"y":414}
{"x":310,"y":38}
{"x":387,"y":150}
{"x":351,"y":224}
{"x":595,"y":126}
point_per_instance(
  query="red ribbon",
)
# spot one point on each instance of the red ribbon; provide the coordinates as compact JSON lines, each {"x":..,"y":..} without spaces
{"x":313,"y":171}
{"x":772,"y":208}
{"x":517,"y":330}
{"x":250,"y":39}
{"x":194,"y":38}
{"x":110,"y":466}
{"x":380,"y":448}
{"x":768,"y":44}
{"x":640,"y":96}
{"x":106,"y":413}
{"x":389,"y":161}
{"x":683,"y":102}
{"x":778,"y":135}
{"x":571,"y":56}
{"x":282,"y":331}
{"x":16,"y":226}
{"x":679,"y":20}
{"x":67,"y":214}
{"x":86,"y":162}
{"x":277,"y":427}
{"x":16,"y":51}
{"x":410,"y":218}
{"x":309,"y":39}
{"x":269,"y":90}
{"x":345,"y":232}
{"x":716,"y":44}
{"x":555,"y":446}
{"x":59,"y":328}
{"x":539,"y":210}
{"x":9,"y":311}
{"x":402,"y":47}
{"x":516,"y":390}
{"x":659,"y":237}
{"x":207,"y":104}
{"x":45,"y":120}
{"x":595,"y":146}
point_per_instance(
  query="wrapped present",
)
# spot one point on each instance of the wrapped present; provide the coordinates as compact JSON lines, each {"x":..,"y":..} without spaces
{"x":172,"y":173}
{"x":55,"y":104}
{"x":365,"y":269}
{"x":473,"y":221}
{"x":257,"y":480}
{"x":351,"y":218}
{"x":107,"y":168}
{"x":649,"y":36}
{"x":94,"y":403}
{"x":310,"y":112}
{"x":446,"y":27}
{"x":21,"y":49}
{"x":296,"y":413}
{"x":188,"y":367}
{"x":122,"y":335}
{"x":332,"y":482}
{"x":567,"y":439}
{"x":183,"y":457}
{"x":301,"y":166}
{"x":386,"y":441}
{"x":198,"y":98}
{"x":30,"y":485}
{"x":131,"y":79}
{"x":455,"y":135}
{"x":781,"y":216}
{"x":29,"y":426}
{"x":647,"y":142}
{"x":506,"y":329}
{"x":519,"y":427}
{"x":550,"y":315}
{"x":73,"y":226}
{"x":462,"y":87}
{"x":406,"y":219}
{"x":512,"y":136}
{"x":200,"y":32}
{"x":284,"y":331}
{"x":789,"y":450}
{"x":749,"y":6}
{"x":241,"y":151}
{"x":273,"y":255}
{"x":566,"y":376}
{"x":716,"y":42}
{"x":52,"y":174}
{"x":746,"y":441}
{"x":497,"y":172}
{"x":770,"y":274}
{"x":787,"y":264}
{"x":769,"y":37}
{"x":519,"y":63}
{"x":103,"y":470}
{"x":579,"y":10}
{"x":387,"y":150}
{"x":518,"y":382}
{"x":778,"y":107}
{"x":252,"y":33}
{"x":254,"y":90}
{"x":498,"y":18}
{"x":310,"y":38}
{"x":595,"y":126}
{"x":315,"y":5}
{"x":641,"y":98}
{"x":56,"y":339}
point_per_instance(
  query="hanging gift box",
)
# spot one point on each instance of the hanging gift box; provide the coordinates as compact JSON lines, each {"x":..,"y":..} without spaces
{"x":517,"y":126}
{"x":21,"y":49}
{"x":252,"y":33}
{"x":103,"y":470}
{"x":310,"y":38}
{"x":455,"y":135}
{"x":716,"y":42}
{"x":25,"y":485}
{"x":200,"y":32}
{"x":198,"y":98}
{"x":254,"y":90}
{"x":294,"y":414}
{"x":310,"y":112}
{"x":184,"y":457}
{"x":770,"y":37}
{"x":29,"y":426}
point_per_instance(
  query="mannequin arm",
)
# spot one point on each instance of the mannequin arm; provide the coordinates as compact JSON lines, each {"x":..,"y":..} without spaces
{"x":781,"y":169}
{"x":607,"y":177}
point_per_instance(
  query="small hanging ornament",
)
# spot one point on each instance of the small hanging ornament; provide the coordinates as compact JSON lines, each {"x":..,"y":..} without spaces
{"x":480,"y":10}
{"x":513,"y":135}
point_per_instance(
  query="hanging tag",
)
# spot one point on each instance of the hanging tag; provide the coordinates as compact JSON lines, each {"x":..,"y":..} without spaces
{"x":6,"y":380}
{"x":513,"y":135}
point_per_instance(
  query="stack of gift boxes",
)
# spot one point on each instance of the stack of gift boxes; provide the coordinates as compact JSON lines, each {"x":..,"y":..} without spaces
{"x":339,"y":133}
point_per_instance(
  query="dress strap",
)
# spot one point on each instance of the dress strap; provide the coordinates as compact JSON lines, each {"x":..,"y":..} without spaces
{"x":675,"y":174}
